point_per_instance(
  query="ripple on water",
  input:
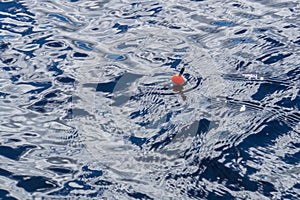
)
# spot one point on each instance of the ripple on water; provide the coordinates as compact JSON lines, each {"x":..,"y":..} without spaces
{"x":88,"y":110}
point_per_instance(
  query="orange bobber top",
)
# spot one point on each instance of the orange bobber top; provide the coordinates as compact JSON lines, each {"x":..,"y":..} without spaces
{"x":177,"y":79}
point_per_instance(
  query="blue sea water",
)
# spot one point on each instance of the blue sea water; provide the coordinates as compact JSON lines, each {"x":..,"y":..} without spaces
{"x":87,"y":109}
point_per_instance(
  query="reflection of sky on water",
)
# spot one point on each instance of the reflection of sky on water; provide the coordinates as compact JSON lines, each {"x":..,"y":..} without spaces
{"x":87,"y":108}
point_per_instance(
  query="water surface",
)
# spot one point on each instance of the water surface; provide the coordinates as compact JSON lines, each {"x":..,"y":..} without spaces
{"x":88,"y":109}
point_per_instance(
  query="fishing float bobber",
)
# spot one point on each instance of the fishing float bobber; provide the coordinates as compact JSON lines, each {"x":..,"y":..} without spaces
{"x":177,"y":79}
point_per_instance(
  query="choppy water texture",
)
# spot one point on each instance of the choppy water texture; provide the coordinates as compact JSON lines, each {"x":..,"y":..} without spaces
{"x":88,"y":110}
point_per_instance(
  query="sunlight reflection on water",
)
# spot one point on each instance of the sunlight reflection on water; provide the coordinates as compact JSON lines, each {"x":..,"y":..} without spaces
{"x":88,"y":109}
